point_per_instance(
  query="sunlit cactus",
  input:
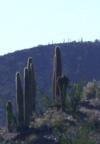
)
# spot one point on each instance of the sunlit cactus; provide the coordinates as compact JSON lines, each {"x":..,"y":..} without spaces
{"x":29,"y":61}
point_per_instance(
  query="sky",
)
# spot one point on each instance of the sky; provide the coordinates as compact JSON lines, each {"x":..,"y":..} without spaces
{"x":28,"y":23}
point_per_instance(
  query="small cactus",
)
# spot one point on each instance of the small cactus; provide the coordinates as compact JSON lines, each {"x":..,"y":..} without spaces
{"x":10,"y":117}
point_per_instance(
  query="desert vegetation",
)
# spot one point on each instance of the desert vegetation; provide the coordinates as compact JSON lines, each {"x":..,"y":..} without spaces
{"x":71,"y":115}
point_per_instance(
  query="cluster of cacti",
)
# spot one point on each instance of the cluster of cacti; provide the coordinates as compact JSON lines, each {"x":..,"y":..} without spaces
{"x":28,"y":95}
{"x":25,"y":96}
{"x":60,"y":82}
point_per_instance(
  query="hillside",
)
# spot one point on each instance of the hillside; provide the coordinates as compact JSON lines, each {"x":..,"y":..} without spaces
{"x":80,"y":63}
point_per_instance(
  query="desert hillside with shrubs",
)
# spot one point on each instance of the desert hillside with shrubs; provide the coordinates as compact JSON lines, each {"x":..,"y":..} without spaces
{"x":53,"y":95}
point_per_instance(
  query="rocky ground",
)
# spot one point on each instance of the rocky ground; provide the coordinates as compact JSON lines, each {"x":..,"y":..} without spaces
{"x":48,"y":128}
{"x":41,"y":129}
{"x":60,"y":127}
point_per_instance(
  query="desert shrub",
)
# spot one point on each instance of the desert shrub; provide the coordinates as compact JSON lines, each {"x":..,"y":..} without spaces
{"x":74,"y":135}
{"x":89,"y":90}
{"x":73,"y":97}
{"x":43,"y":101}
{"x":92,"y":90}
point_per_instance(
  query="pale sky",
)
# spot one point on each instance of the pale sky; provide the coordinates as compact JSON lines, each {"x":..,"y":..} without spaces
{"x":28,"y":23}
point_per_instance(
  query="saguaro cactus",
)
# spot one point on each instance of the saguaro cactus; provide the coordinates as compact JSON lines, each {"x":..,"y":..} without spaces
{"x":57,"y":72}
{"x":10,"y":118}
{"x":62,"y":84}
{"x":32,"y":85}
{"x":26,"y":98}
{"x":19,"y":98}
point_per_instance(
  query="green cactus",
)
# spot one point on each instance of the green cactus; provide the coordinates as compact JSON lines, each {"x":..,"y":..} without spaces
{"x":19,"y":99}
{"x":32,"y":85}
{"x":26,"y":98}
{"x":10,"y":117}
{"x":57,"y":72}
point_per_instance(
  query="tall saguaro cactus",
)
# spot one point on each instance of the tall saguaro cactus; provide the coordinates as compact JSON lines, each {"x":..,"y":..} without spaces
{"x":57,"y":72}
{"x":19,"y":98}
{"x":32,"y":85}
{"x":26,"y":98}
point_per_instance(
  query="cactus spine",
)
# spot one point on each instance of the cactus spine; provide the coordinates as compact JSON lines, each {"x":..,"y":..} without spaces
{"x":10,"y":118}
{"x":57,"y":72}
{"x":19,"y":98}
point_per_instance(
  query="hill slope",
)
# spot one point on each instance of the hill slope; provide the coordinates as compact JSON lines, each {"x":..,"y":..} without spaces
{"x":81,"y":61}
